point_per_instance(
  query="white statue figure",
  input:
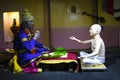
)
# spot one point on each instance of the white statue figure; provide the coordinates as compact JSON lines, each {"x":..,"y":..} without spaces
{"x":97,"y":56}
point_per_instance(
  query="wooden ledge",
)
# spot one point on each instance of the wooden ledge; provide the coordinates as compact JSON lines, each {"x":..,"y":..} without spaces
{"x":99,"y":67}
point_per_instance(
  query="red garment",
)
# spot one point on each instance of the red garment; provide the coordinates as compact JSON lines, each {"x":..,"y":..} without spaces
{"x":110,"y":7}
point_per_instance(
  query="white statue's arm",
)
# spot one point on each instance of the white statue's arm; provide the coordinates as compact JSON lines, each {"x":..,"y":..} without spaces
{"x":80,"y":41}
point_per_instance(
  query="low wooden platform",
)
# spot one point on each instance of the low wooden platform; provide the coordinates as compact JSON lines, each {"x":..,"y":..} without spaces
{"x":69,"y":62}
{"x":100,"y":67}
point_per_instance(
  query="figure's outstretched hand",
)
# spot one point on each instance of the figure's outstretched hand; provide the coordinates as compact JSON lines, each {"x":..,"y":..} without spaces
{"x":72,"y":38}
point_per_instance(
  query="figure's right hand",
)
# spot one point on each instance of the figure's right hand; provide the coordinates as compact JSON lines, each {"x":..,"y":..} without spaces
{"x":72,"y":38}
{"x":37,"y":35}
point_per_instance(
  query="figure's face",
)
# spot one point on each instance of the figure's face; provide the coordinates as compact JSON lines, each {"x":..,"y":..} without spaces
{"x":93,"y":31}
{"x":30,"y":24}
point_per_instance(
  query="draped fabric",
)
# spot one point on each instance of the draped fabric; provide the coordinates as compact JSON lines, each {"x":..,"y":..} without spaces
{"x":109,"y":6}
{"x":117,"y":9}
{"x":112,"y":7}
{"x":71,"y":57}
{"x":104,"y":4}
{"x":24,"y":48}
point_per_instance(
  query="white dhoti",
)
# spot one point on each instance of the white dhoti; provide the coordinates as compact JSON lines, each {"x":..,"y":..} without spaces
{"x":92,"y":60}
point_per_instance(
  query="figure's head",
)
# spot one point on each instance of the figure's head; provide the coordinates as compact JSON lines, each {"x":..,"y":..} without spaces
{"x":95,"y":29}
{"x":26,"y":16}
{"x":27,"y":19}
